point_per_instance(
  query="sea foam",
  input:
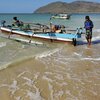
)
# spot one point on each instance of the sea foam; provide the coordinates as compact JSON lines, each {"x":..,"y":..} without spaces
{"x":48,"y":53}
{"x":96,"y":30}
{"x":34,"y":96}
{"x":2,"y":44}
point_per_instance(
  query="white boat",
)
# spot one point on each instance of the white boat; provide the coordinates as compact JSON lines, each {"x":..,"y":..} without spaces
{"x":62,"y":37}
{"x":61,"y":16}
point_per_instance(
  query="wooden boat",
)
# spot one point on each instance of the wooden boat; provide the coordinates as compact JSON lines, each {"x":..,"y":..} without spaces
{"x":62,"y":37}
{"x":61,"y":16}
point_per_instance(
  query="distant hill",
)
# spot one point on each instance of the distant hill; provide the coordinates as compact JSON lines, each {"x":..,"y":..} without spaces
{"x":74,"y":7}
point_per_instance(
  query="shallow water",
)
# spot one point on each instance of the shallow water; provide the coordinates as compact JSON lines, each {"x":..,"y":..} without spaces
{"x":50,"y":71}
{"x":55,"y":75}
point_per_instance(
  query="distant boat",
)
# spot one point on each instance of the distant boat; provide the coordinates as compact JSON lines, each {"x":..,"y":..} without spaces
{"x":61,"y":16}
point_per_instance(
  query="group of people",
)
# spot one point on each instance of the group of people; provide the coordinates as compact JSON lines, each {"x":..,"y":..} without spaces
{"x":57,"y":28}
{"x":88,"y":25}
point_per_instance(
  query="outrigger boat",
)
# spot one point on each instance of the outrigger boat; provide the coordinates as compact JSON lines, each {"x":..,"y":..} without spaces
{"x":53,"y":36}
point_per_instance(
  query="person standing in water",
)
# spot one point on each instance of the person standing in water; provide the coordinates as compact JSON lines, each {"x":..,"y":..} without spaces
{"x":88,"y":25}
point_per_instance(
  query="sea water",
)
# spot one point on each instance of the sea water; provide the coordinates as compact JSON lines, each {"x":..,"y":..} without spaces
{"x":50,"y":71}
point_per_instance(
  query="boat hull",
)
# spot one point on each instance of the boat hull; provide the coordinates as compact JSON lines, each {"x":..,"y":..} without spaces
{"x":62,"y":37}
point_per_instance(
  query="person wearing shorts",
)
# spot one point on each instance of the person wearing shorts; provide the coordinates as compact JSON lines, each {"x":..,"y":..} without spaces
{"x":88,"y":25}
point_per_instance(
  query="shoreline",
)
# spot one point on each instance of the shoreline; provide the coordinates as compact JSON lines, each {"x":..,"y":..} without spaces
{"x":14,"y":62}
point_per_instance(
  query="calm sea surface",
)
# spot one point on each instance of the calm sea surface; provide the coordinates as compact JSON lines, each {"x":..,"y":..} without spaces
{"x":50,"y":71}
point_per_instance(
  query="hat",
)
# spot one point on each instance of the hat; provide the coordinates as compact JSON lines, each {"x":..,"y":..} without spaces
{"x":87,"y":17}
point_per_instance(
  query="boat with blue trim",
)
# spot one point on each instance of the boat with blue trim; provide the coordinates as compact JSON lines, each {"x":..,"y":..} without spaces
{"x":62,"y":37}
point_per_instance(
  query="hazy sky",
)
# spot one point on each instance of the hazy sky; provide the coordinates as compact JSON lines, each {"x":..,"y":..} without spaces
{"x":27,"y":6}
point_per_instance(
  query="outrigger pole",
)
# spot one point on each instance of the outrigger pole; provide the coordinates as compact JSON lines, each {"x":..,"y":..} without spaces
{"x":10,"y":34}
{"x":31,"y":37}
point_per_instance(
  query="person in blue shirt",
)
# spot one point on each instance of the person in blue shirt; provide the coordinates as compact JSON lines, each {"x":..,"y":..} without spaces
{"x":88,"y":25}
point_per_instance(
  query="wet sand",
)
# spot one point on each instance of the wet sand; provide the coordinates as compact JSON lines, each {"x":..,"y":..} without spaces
{"x":34,"y":79}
